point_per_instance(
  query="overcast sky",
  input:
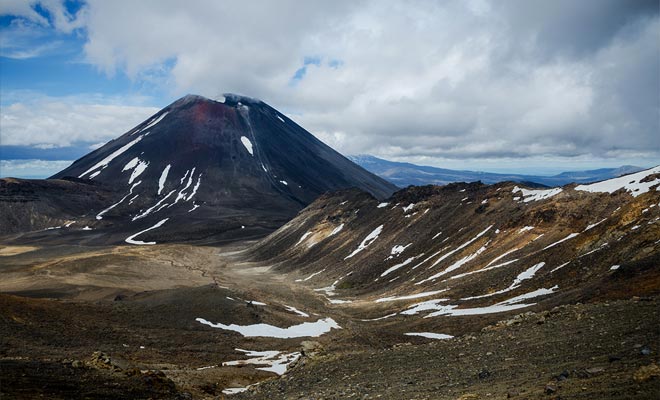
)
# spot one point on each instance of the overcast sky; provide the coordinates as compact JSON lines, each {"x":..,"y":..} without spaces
{"x":513,"y":85}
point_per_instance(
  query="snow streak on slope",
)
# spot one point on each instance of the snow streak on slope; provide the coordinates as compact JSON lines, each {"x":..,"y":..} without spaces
{"x":99,"y":216}
{"x":527,"y":274}
{"x":131,"y":239}
{"x":336,"y":230}
{"x":535,"y":195}
{"x":248,"y":145}
{"x":163,"y":178}
{"x":410,"y":296}
{"x":138,"y":170}
{"x":276,"y":361}
{"x":445,"y":256}
{"x":367,"y":241}
{"x":455,"y":265}
{"x":153,"y":123}
{"x":571,"y":236}
{"x":430,"y":335}
{"x":453,"y":310}
{"x":104,"y":163}
{"x":397,"y":266}
{"x":150,"y":209}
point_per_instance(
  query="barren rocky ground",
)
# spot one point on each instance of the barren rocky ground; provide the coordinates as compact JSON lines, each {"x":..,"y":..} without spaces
{"x":464,"y":291}
{"x":139,"y":339}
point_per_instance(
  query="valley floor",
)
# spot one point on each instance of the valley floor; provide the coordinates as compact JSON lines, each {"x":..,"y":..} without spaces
{"x":120,"y":322}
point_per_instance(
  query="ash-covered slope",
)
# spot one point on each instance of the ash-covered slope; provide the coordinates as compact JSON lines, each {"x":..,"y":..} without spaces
{"x":33,"y":204}
{"x":201,"y":169}
{"x":474,"y":249}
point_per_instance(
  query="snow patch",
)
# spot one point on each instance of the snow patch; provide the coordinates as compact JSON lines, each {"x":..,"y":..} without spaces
{"x":131,"y":239}
{"x":430,"y":335}
{"x":367,"y":241}
{"x":449,"y":253}
{"x":410,"y":296}
{"x":487,"y":268}
{"x":150,"y":209}
{"x":104,"y":163}
{"x":571,"y":236}
{"x":153,"y":122}
{"x":131,"y":164}
{"x":561,"y":266}
{"x":379,"y":318}
{"x":194,"y":191}
{"x":303,"y":237}
{"x":397,"y":266}
{"x":231,"y":391}
{"x":453,"y":310}
{"x":336,"y":230}
{"x":138,"y":170}
{"x":525,"y":275}
{"x":306,"y":329}
{"x":398,"y":249}
{"x":99,"y":216}
{"x":631,"y":183}
{"x":311,"y":276}
{"x":455,"y":265}
{"x":163,"y":178}
{"x":534,"y":195}
{"x":295,"y":310}
{"x":590,"y":226}
{"x":248,"y":145}
{"x":381,"y":205}
{"x":276,"y":361}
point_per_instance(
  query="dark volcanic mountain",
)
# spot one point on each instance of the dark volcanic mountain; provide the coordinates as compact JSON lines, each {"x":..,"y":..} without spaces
{"x":204,"y":169}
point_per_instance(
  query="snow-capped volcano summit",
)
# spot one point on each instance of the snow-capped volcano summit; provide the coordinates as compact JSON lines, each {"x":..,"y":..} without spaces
{"x":233,"y":168}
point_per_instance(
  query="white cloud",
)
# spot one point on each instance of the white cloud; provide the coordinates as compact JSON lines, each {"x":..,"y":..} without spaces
{"x":24,"y":9}
{"x":418,"y":80}
{"x":48,"y":122}
{"x":31,"y":168}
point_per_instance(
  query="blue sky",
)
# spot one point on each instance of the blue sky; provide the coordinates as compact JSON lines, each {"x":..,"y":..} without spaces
{"x":506,"y":86}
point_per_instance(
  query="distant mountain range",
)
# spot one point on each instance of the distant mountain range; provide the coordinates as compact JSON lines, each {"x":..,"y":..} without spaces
{"x":406,"y":174}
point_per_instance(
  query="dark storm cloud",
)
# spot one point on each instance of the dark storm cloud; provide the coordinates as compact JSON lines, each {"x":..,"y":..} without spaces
{"x":574,"y":28}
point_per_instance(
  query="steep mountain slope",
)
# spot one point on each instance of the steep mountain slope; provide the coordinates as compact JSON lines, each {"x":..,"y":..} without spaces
{"x":473,"y":249}
{"x":406,"y":174}
{"x":201,"y":169}
{"x":37,"y":204}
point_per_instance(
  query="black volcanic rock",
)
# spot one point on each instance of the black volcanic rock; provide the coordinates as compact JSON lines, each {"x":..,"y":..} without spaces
{"x":33,"y":204}
{"x":211,"y":170}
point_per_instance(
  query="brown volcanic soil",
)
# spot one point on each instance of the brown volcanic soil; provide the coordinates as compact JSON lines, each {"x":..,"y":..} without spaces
{"x":49,"y":345}
{"x":100,"y":300}
{"x":571,"y":352}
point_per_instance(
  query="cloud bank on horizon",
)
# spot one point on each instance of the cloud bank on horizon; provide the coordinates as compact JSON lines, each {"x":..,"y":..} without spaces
{"x":445,"y":83}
